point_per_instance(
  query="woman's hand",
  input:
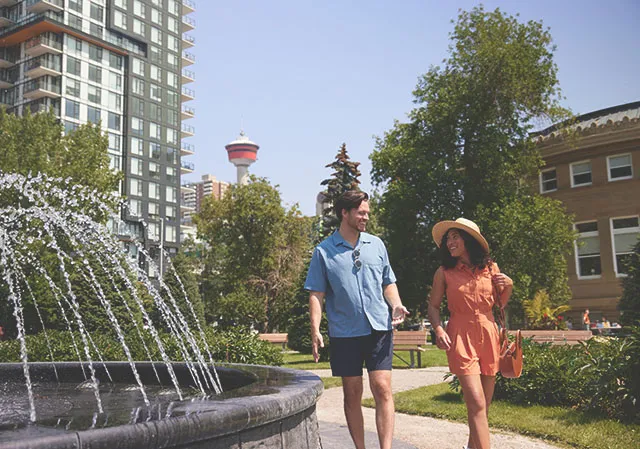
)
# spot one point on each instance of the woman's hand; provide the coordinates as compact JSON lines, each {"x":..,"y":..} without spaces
{"x":442,"y":339}
{"x":501,"y":280}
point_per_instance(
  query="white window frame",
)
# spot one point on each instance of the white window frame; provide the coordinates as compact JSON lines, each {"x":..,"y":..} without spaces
{"x":542,"y":191}
{"x":578,"y":163}
{"x":634,"y":230}
{"x":609,"y":167}
{"x":575,"y":249}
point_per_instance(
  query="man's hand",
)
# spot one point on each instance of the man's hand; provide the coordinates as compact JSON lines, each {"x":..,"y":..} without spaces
{"x":398,"y":314}
{"x":316,"y":342}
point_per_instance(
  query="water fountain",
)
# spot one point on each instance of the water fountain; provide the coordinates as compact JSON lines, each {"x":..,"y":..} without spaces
{"x":131,"y":404}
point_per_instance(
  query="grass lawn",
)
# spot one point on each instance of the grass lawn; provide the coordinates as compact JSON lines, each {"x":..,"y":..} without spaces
{"x":331,"y":382}
{"x":431,"y":357}
{"x":557,"y":424}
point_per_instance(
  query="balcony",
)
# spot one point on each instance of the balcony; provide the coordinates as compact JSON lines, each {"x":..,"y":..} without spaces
{"x":8,"y":97}
{"x":9,"y":56}
{"x":186,"y":208}
{"x":187,"y":149}
{"x":8,"y":16}
{"x":38,"y":6}
{"x":4,"y":3}
{"x":188,"y":76}
{"x":8,"y":77}
{"x":188,"y":113}
{"x":187,"y":131}
{"x":43,"y":105}
{"x":188,"y":58}
{"x":188,"y":23}
{"x":47,"y":64}
{"x":188,"y":41}
{"x":186,"y":167}
{"x":187,"y":188}
{"x":46,"y":86}
{"x":45,"y":43}
{"x":187,"y":94}
{"x":188,"y":6}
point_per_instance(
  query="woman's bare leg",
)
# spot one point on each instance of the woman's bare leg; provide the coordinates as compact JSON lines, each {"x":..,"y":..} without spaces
{"x":475,"y":400}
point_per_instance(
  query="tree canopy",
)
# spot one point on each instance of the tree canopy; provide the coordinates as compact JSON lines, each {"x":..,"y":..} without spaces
{"x":466,"y":151}
{"x":629,"y":305}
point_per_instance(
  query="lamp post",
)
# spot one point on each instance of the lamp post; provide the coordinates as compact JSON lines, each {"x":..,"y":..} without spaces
{"x":161,"y":247}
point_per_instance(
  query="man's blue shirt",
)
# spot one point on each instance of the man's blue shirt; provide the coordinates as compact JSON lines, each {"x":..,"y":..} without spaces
{"x":353,"y":296}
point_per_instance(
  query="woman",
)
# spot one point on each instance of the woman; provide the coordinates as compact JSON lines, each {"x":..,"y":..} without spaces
{"x":467,"y":277}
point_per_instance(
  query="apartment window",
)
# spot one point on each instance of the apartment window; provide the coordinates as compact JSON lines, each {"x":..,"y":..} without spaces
{"x":155,"y":150}
{"x":115,"y":61}
{"x":173,"y":25}
{"x":135,"y":208}
{"x":74,"y":66}
{"x":619,"y":167}
{"x":95,"y":53}
{"x":137,"y":146}
{"x":138,"y":27}
{"x":548,"y":180}
{"x":120,"y":19}
{"x":173,"y":7}
{"x":136,"y":166}
{"x":171,"y":194}
{"x":155,"y":92}
{"x":155,"y":54}
{"x":156,"y":73}
{"x":115,"y":81}
{"x":624,"y":232}
{"x":170,"y":212}
{"x":155,"y":131}
{"x":115,"y":142}
{"x":172,"y":99}
{"x":76,"y":5}
{"x":96,"y":12}
{"x":93,"y":114}
{"x":172,"y":43}
{"x":95,"y":73}
{"x":154,"y":190}
{"x":113,"y":121}
{"x":156,"y":16}
{"x":120,"y":3}
{"x":588,"y":250}
{"x":153,"y":231}
{"x":135,"y":187}
{"x":115,"y":162}
{"x":172,"y":118}
{"x":115,"y":101}
{"x":172,"y":59}
{"x":581,"y":174}
{"x":73,"y":43}
{"x":154,"y":210}
{"x":156,"y":36}
{"x":171,"y":174}
{"x":137,"y":66}
{"x":94,"y":94}
{"x":172,"y":136}
{"x":172,"y":155}
{"x":154,"y":170}
{"x":137,"y":86}
{"x":95,"y":29}
{"x":137,"y":106}
{"x":75,"y":21}
{"x":139,"y":9}
{"x":73,"y":88}
{"x":172,"y":79}
{"x":72,"y":109}
{"x":170,"y":233}
{"x":156,"y":2}
{"x":137,"y":126}
{"x":69,"y":127}
{"x":155,"y":112}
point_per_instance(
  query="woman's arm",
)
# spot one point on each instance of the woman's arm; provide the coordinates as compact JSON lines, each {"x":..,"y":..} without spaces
{"x":433,"y":309}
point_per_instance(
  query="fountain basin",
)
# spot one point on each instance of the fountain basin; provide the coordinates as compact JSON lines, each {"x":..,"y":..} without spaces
{"x":266,"y":407}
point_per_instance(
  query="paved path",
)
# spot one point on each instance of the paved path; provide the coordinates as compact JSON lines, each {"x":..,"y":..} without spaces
{"x":412,"y":432}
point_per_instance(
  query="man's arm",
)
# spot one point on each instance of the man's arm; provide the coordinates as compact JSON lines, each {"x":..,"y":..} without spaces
{"x":392,"y":296}
{"x":315,"y":312}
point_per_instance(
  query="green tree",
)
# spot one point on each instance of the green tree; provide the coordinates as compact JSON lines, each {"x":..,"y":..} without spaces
{"x":257,"y":250}
{"x":629,"y":304}
{"x":182,"y":282}
{"x":344,"y":177}
{"x":467,"y":146}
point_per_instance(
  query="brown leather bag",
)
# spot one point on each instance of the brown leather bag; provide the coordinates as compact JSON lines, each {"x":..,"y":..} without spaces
{"x":510,"y":352}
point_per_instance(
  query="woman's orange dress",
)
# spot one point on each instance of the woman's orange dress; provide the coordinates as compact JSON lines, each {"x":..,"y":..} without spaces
{"x":475,"y":342}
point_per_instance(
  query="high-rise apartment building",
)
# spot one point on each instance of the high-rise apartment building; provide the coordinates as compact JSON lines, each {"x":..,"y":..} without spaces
{"x":193,"y":193}
{"x":121,"y":63}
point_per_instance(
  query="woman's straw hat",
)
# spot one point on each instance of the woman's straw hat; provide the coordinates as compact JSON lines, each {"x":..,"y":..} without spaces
{"x":469,"y":226}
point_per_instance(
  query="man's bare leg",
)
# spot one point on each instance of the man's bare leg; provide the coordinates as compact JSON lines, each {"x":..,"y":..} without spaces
{"x":380,"y":383}
{"x":352,"y":390}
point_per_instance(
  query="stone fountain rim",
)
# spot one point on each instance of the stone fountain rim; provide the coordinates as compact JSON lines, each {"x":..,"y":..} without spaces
{"x":240,"y":414}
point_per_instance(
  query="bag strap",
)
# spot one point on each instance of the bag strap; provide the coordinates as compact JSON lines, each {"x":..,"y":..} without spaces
{"x":500,"y":318}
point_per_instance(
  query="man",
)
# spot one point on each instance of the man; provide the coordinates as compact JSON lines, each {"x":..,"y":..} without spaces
{"x":586,"y":322}
{"x":350,"y":271}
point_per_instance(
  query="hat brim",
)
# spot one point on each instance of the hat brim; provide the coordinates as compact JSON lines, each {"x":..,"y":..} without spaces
{"x":441,"y":228}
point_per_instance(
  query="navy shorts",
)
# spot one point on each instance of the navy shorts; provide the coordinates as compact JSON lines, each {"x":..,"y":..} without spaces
{"x":347,"y":355}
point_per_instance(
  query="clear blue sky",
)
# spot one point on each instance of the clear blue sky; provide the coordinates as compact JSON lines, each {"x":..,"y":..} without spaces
{"x":305,"y":76}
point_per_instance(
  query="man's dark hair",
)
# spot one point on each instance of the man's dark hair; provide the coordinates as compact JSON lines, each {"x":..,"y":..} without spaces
{"x":351,"y":199}
{"x":478,"y":256}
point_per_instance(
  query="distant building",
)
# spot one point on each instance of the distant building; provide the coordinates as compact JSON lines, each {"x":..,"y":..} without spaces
{"x":193,"y":193}
{"x":597,"y":177}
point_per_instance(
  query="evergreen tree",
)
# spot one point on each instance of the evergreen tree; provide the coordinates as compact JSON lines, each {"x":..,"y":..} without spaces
{"x":344,"y":177}
{"x":629,"y":305}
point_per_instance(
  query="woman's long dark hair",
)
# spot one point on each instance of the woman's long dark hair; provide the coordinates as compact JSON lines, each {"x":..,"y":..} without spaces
{"x":478,"y":256}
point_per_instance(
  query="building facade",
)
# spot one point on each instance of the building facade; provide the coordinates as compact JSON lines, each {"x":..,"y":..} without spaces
{"x":193,"y":194}
{"x":121,"y":63}
{"x":595,"y":171}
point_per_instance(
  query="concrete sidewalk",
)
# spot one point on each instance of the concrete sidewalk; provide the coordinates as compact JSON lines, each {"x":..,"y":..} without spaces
{"x":411,"y":432}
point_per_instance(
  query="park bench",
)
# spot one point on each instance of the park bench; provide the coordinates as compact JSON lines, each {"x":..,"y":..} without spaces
{"x":412,"y":341}
{"x":276,"y":339}
{"x":560,"y":337}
